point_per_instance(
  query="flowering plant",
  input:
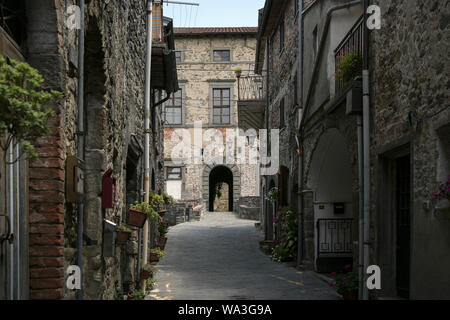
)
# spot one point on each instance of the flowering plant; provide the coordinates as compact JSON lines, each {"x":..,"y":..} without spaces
{"x":346,"y":283}
{"x":272,"y":195}
{"x":286,"y":247}
{"x":444,"y":190}
{"x":349,"y":66}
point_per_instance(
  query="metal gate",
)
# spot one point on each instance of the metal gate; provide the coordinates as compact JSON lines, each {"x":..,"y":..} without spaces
{"x":334,"y":244}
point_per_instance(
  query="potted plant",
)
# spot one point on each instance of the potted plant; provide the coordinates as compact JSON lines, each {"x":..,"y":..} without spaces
{"x":272,"y":195}
{"x":162,"y":239}
{"x":156,"y":254}
{"x":444,"y":191}
{"x":136,"y":295}
{"x":147,"y":271}
{"x":238,"y":72}
{"x":138,"y":214}
{"x":349,"y":66}
{"x":123,"y":234}
{"x":168,"y":199}
{"x":346,"y":284}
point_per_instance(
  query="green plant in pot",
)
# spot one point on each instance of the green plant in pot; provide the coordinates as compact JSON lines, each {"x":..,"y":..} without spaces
{"x":168,"y":199}
{"x":123,"y":234}
{"x":272,"y":195}
{"x":346,"y":283}
{"x":136,"y":295}
{"x":138,"y":214}
{"x":147,"y":271}
{"x":156,"y":254}
{"x":238,"y":72}
{"x":349,"y":66}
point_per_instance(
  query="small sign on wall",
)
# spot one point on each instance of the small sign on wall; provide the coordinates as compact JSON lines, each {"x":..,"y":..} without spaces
{"x":339,"y":208}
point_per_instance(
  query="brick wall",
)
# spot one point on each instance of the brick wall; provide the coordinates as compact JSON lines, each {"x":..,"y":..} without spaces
{"x":46,"y":239}
{"x":46,"y":173}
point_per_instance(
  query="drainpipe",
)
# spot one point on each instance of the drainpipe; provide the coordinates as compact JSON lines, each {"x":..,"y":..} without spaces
{"x":11,"y":215}
{"x":299,"y":102}
{"x":359,"y":124}
{"x":366,"y":138}
{"x":80,"y":145}
{"x":148,"y":73}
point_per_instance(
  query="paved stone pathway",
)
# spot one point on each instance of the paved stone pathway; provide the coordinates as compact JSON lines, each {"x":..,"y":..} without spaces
{"x":219,"y":258}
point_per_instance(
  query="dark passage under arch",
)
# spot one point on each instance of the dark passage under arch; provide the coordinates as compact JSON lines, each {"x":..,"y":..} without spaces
{"x":220,"y":174}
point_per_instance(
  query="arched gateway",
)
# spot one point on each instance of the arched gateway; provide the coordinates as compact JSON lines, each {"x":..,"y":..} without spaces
{"x":213,"y":175}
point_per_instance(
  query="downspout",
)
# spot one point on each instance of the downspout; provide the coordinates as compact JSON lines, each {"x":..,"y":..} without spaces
{"x":148,"y":73}
{"x":359,"y":124}
{"x":80,"y":145}
{"x":11,"y":215}
{"x":311,"y":87}
{"x":299,"y":102}
{"x":366,"y":138}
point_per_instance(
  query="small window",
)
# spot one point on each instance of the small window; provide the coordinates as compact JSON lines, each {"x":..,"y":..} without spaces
{"x":282,"y":124}
{"x":178,"y":56}
{"x":173,"y":108}
{"x":174,"y":173}
{"x":282,"y":35}
{"x":221,"y":106}
{"x":221,"y":56}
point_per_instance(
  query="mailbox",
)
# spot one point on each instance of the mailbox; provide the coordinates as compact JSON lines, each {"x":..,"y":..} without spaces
{"x":108,"y":190}
{"x":339,"y":208}
{"x":109,"y":238}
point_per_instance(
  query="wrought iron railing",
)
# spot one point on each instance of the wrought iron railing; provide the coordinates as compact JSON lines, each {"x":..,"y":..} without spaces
{"x":250,"y":87}
{"x":334,"y":236}
{"x":352,"y":43}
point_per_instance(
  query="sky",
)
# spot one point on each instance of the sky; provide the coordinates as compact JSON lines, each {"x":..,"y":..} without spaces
{"x":215,"y":13}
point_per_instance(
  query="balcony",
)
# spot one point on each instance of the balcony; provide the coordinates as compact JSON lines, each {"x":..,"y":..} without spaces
{"x":348,"y":57}
{"x":251,"y":102}
{"x":164,"y":69}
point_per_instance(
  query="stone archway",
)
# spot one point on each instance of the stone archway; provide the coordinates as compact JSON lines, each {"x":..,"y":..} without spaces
{"x":234,"y":187}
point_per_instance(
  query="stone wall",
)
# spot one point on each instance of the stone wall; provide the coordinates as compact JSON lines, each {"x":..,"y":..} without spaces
{"x":410,"y":76}
{"x":114,"y":99}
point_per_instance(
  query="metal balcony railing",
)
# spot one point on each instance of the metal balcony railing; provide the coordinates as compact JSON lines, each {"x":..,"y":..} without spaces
{"x":251,"y":87}
{"x":352,"y":43}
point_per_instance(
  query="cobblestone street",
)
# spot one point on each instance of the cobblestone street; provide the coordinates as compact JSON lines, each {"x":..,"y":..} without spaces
{"x":219,"y":258}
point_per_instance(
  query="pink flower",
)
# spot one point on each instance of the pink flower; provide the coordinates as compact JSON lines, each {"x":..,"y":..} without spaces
{"x":334,"y":273}
{"x":347,"y":267}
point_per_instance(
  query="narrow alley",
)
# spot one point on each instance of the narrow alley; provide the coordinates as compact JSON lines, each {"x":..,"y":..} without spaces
{"x":218,"y":258}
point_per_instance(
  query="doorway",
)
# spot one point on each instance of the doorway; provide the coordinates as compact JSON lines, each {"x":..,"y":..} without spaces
{"x":221,"y":189}
{"x":403,"y":225}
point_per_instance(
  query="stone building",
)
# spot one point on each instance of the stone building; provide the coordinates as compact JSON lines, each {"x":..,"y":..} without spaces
{"x":44,"y":34}
{"x":206,"y":60}
{"x":409,"y":119}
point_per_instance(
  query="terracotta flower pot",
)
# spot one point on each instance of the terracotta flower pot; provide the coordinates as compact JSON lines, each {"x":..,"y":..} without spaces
{"x":146,"y":274}
{"x":122,"y":236}
{"x":162,"y":242}
{"x":136,"y":218}
{"x":154,"y":257}
{"x":238,"y":74}
{"x":162,"y":212}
